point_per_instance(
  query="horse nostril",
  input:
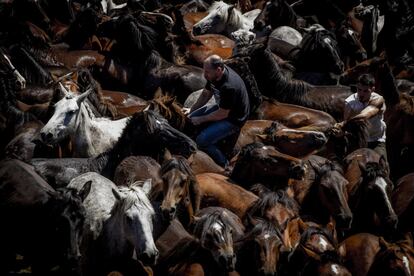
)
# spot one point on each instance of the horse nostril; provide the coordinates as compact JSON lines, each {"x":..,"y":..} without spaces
{"x":46,"y":136}
{"x":258,"y":25}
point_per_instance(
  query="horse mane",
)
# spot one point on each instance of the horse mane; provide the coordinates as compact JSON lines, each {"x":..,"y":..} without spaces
{"x":31,"y":70}
{"x":170,"y":110}
{"x":212,"y":215}
{"x":178,"y":162}
{"x":358,"y":130}
{"x":267,"y":199}
{"x":133,"y":195}
{"x":312,"y":39}
{"x":277,"y":84}
{"x":274,"y":127}
{"x":311,"y":230}
{"x":262,"y":226}
{"x":406,"y":104}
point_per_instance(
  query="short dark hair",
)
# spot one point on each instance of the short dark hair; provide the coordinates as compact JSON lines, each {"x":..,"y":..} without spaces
{"x":366,"y":79}
{"x":215,"y":61}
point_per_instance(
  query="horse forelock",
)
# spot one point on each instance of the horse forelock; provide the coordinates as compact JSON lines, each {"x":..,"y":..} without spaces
{"x":134,"y":196}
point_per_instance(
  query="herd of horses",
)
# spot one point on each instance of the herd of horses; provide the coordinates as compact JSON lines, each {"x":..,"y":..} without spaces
{"x":100,"y":174}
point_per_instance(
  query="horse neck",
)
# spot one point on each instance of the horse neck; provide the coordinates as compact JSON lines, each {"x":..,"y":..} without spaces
{"x":281,"y":86}
{"x":236,"y":20}
{"x":387,"y":86}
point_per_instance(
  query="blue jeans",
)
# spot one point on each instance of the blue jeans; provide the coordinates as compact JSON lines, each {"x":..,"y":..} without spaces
{"x":215,"y":132}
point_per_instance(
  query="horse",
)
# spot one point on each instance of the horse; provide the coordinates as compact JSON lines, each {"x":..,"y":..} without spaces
{"x":402,"y":198}
{"x":224,"y":19}
{"x":119,"y":222}
{"x":8,"y":69}
{"x":293,"y":116}
{"x":322,"y":193}
{"x":217,"y":228}
{"x":219,"y":190}
{"x":367,"y":254}
{"x":274,"y":84}
{"x":146,"y":133}
{"x":276,"y":13}
{"x":180,"y":189}
{"x":90,"y":136}
{"x":184,"y":254}
{"x":294,"y":142}
{"x":259,"y":250}
{"x":367,"y":173}
{"x":318,"y":42}
{"x":140,"y":67}
{"x":350,"y":47}
{"x":257,"y":162}
{"x":316,"y":253}
{"x":43,"y":224}
{"x":276,"y":207}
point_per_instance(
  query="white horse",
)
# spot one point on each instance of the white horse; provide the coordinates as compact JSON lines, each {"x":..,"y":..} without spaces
{"x":119,"y":222}
{"x":224,"y":19}
{"x":89,"y":135}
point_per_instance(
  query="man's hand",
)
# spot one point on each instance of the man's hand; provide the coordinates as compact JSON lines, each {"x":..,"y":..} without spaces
{"x":186,"y":110}
{"x":337,"y":129}
{"x":196,"y":120}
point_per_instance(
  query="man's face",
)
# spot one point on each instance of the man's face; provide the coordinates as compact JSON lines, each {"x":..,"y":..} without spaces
{"x":364,"y":92}
{"x":212,"y":74}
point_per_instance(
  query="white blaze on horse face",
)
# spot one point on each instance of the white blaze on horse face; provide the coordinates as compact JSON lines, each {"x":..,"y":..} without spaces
{"x":334,"y":268}
{"x":218,"y":227}
{"x":406,"y":264}
{"x":382,"y":184}
{"x":323,"y":243}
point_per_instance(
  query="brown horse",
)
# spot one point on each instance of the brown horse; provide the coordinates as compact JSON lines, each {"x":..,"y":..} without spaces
{"x":402,"y":202}
{"x":277,"y":207}
{"x":316,"y":253}
{"x":260,"y":249}
{"x":264,"y":164}
{"x":293,"y":116}
{"x":294,"y":142}
{"x":323,"y":193}
{"x":369,"y":192}
{"x":367,"y":254}
{"x":180,"y":189}
{"x":218,"y":190}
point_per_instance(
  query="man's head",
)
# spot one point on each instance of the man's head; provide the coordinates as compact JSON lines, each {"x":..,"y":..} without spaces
{"x":365,"y":87}
{"x":213,"y":68}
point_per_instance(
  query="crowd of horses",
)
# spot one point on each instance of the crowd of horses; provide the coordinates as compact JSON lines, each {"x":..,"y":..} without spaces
{"x":100,"y":174}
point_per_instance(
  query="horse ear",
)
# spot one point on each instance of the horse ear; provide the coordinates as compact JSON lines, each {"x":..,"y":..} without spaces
{"x":116,"y":194}
{"x":383,"y":243}
{"x":170,"y":101}
{"x":262,"y":137}
{"x":84,"y":192}
{"x":147,"y":186}
{"x":63,"y":89}
{"x":83,"y":96}
{"x":361,"y":166}
{"x":167,"y":155}
{"x":302,"y":225}
{"x":190,"y":159}
{"x":230,"y":9}
{"x":158,"y":93}
{"x":383,"y":164}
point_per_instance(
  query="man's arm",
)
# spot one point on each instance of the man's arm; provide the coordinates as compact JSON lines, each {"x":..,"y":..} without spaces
{"x":204,"y":97}
{"x":217,"y":115}
{"x":371,"y":110}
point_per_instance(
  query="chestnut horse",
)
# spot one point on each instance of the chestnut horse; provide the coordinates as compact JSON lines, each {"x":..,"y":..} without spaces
{"x":294,"y":142}
{"x":402,"y":202}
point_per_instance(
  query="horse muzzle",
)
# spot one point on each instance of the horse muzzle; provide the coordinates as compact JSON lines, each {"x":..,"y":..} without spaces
{"x":149,"y":258}
{"x":343,"y":221}
{"x":228,"y":262}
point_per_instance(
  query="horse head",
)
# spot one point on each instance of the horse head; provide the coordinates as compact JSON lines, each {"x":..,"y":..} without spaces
{"x":134,"y":215}
{"x":332,"y":191}
{"x":259,"y":162}
{"x":179,"y":185}
{"x":294,"y":142}
{"x":63,"y":121}
{"x":378,"y":189}
{"x":218,"y":19}
{"x":215,"y":228}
